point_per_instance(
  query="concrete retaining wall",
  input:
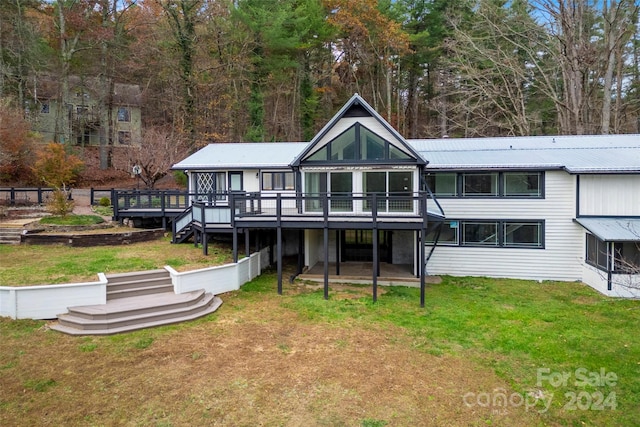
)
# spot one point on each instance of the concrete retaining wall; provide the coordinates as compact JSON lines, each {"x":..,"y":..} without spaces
{"x":47,"y":301}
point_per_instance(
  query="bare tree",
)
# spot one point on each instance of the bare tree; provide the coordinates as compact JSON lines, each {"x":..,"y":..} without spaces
{"x":618,"y":20}
{"x":154,"y":156}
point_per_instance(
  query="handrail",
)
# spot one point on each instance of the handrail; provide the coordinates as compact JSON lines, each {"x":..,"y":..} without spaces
{"x":182,"y":221}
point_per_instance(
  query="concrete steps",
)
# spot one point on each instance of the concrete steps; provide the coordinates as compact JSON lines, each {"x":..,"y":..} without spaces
{"x":137,"y":301}
{"x":10,"y":235}
{"x":128,"y":285}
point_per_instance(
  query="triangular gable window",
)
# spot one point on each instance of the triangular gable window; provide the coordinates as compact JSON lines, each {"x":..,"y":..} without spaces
{"x":396,"y":154}
{"x":358,"y":144}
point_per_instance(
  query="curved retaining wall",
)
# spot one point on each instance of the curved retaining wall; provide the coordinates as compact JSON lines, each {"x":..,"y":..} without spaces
{"x":47,"y":301}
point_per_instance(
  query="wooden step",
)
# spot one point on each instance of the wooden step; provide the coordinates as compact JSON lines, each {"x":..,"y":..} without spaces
{"x":135,"y":313}
{"x":126,"y":285}
{"x":137,"y":305}
{"x":136,"y":275}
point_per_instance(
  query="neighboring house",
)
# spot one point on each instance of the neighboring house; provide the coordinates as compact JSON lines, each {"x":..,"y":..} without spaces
{"x":542,"y":208}
{"x":82,"y":117}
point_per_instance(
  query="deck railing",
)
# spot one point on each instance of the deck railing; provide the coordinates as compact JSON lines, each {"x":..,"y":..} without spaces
{"x":227,"y":207}
{"x":332,"y":204}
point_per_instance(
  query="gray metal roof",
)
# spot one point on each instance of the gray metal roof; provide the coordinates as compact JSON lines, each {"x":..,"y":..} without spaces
{"x":243,"y":155}
{"x":577,"y":154}
{"x":613,"y":229}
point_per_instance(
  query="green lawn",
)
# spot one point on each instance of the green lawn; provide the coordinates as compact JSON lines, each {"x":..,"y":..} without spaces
{"x":23,"y":265}
{"x":560,"y":353}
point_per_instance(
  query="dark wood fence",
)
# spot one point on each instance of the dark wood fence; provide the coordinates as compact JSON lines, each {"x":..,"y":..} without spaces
{"x":24,"y":196}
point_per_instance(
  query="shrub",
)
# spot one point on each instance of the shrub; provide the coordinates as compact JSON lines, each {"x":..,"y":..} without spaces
{"x":104,"y":201}
{"x":180,"y":178}
{"x":60,"y":205}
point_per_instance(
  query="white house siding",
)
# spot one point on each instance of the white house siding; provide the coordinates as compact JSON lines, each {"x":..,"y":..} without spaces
{"x":562,"y":258}
{"x":312,"y":247}
{"x":249,"y":181}
{"x":622,"y":285}
{"x":610,"y":195}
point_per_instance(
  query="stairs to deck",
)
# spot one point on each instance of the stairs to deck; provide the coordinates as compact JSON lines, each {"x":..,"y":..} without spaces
{"x":183,"y":235}
{"x":137,"y":301}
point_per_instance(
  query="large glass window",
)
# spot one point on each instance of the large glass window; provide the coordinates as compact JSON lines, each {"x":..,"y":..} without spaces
{"x":488,"y":184}
{"x":597,"y":252}
{"x":480,"y":233}
{"x":373,"y":147}
{"x":627,"y":257}
{"x":508,"y":234}
{"x":480,"y":184}
{"x":344,"y":147}
{"x":400,"y":191}
{"x":359,"y":144}
{"x":341,"y":190}
{"x":446,"y":233}
{"x":315,"y":186}
{"x":523,"y":234}
{"x":522,"y":184}
{"x":272,"y":181}
{"x":374,"y":182}
{"x":442,"y":184}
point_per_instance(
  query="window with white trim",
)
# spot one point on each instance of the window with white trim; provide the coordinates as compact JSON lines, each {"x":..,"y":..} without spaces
{"x":273,"y":181}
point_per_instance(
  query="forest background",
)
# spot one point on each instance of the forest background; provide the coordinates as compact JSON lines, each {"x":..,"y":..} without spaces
{"x":277,"y":70}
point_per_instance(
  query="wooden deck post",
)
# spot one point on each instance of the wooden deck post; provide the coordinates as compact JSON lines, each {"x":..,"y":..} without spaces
{"x":325,"y":235}
{"x":326,"y":261}
{"x":279,"y":257}
{"x":337,"y":252}
{"x":421,"y":265}
{"x":374,"y":234}
{"x":235,"y":244}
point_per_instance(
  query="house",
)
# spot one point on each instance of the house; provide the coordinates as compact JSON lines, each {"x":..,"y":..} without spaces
{"x":542,"y":208}
{"x":83,"y":116}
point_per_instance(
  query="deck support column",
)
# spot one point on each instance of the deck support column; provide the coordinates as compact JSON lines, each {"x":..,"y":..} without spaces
{"x":300,"y":251}
{"x":421,"y":265}
{"x":279,"y":258}
{"x":374,"y":235}
{"x":337,"y":252}
{"x":326,"y":262}
{"x":325,"y":235}
{"x":235,"y":244}
{"x":247,"y":249}
{"x":375,"y":266}
{"x":205,"y":243}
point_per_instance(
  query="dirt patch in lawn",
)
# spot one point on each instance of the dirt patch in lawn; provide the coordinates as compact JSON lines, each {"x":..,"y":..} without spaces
{"x":251,"y":363}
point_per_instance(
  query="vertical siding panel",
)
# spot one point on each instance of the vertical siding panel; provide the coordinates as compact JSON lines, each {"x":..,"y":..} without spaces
{"x":610,"y":195}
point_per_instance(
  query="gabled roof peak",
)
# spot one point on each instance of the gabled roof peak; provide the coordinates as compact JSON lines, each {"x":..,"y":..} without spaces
{"x":356,"y":106}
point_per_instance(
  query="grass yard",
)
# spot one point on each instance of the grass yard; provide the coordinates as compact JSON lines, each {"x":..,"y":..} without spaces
{"x":482,"y":352}
{"x":23,"y":265}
